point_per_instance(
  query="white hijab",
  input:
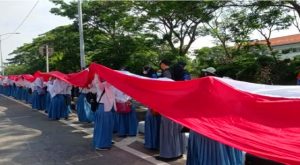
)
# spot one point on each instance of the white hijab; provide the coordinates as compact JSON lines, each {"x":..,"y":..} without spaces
{"x":108,"y":98}
{"x":38,"y":82}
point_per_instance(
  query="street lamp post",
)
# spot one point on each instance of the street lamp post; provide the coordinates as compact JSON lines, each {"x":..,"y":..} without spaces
{"x":82,"y":55}
{"x":1,"y":57}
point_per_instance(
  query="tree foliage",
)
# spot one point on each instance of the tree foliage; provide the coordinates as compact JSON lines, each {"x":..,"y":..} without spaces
{"x":178,"y":22}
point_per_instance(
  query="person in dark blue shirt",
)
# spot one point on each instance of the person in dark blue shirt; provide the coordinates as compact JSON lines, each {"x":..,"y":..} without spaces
{"x":149,"y":72}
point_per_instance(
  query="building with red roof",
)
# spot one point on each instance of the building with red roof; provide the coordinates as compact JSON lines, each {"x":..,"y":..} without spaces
{"x":287,"y":46}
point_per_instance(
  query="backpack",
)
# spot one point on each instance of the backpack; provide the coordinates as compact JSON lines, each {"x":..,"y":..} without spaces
{"x":92,"y":99}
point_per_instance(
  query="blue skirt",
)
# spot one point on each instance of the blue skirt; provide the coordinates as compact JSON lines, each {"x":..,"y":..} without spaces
{"x":19,"y":93}
{"x":8,"y":90}
{"x":83,"y":108}
{"x":171,"y":141}
{"x":68,"y":110}
{"x":1,"y":89}
{"x":43,"y":101}
{"x":103,"y":128}
{"x":5,"y":90}
{"x":24,"y":94}
{"x":57,"y":107}
{"x":38,"y":101}
{"x":47,"y":102}
{"x":29,"y":98}
{"x":14,"y":91}
{"x":35,"y":100}
{"x":127,"y":123}
{"x":152,"y":125}
{"x":115,"y":120}
{"x":203,"y":151}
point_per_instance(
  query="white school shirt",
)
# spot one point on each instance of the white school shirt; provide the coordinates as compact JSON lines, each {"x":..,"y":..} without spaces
{"x":5,"y":81}
{"x":23,"y":83}
{"x":120,"y":96}
{"x":32,"y":86}
{"x":20,"y":83}
{"x":50,"y":90}
{"x":10,"y":82}
{"x":58,"y":87}
{"x":68,"y":89}
{"x":17,"y":83}
{"x":38,"y":83}
{"x":108,"y":98}
{"x":49,"y":84}
{"x":27,"y":84}
{"x":84,"y":90}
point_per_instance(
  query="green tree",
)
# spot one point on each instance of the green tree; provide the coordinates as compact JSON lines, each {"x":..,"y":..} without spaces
{"x":178,"y":22}
{"x":267,"y":19}
{"x":15,"y":69}
{"x":230,"y":26}
{"x":65,"y":58}
{"x":109,"y":28}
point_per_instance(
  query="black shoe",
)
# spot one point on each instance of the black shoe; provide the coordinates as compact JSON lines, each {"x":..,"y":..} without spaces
{"x":178,"y":157}
{"x":162,"y":159}
{"x":167,"y":159}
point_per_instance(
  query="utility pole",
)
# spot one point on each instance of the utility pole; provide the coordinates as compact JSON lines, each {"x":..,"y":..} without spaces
{"x":47,"y":58}
{"x":82,"y":58}
{"x":47,"y":51}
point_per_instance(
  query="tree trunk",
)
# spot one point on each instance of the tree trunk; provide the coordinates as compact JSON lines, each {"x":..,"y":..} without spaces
{"x":269,"y":45}
{"x":295,"y":5}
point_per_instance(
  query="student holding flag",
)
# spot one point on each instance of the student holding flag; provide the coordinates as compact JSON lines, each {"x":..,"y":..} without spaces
{"x":103,"y":124}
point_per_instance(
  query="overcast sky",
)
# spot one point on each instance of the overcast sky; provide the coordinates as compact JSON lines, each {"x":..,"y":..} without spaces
{"x":12,"y":12}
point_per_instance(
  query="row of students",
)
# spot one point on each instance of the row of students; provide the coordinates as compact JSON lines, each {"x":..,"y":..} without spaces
{"x":17,"y":89}
{"x":54,"y":97}
{"x":161,"y":132}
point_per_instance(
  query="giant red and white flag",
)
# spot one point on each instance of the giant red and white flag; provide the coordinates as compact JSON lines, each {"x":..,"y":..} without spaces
{"x":262,"y":120}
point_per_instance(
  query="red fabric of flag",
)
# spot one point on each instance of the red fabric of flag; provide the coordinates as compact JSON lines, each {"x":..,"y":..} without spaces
{"x":265,"y":126}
